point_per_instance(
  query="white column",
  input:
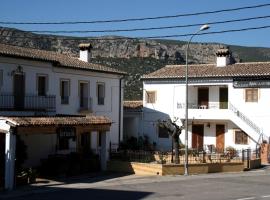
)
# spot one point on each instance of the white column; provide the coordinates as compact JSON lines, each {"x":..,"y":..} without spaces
{"x":103,"y":154}
{"x":10,"y":149}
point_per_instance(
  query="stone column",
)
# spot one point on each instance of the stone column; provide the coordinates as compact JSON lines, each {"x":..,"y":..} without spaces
{"x":10,"y":149}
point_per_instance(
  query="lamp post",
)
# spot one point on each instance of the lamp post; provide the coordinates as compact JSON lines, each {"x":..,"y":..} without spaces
{"x":204,"y":27}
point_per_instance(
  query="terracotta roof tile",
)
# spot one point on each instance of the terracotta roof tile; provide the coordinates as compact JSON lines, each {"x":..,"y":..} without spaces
{"x":210,"y":70}
{"x":60,"y":120}
{"x":59,"y":59}
{"x":133,"y":105}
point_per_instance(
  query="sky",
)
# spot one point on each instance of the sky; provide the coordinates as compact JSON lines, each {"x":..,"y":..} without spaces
{"x":90,"y":10}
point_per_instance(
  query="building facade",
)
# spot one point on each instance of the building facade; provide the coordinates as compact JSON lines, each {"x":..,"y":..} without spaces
{"x":45,"y":88}
{"x":228,"y":103}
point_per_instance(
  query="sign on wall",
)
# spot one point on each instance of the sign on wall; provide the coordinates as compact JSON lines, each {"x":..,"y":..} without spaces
{"x":251,"y":84}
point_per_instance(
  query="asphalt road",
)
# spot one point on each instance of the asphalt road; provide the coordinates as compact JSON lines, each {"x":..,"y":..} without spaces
{"x":233,"y":186}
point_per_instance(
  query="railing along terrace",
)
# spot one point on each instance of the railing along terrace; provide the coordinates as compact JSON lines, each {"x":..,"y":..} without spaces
{"x":211,"y":105}
{"x":28,"y":102}
{"x":195,"y":156}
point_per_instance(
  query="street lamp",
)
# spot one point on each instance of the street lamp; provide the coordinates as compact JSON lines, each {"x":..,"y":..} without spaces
{"x":204,"y":27}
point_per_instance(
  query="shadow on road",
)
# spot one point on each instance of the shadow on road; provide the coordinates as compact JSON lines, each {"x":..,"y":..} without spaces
{"x":99,"y":194}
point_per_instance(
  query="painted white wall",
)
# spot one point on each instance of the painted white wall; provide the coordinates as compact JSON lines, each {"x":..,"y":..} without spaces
{"x":111,"y":107}
{"x":171,"y":103}
{"x":34,"y":68}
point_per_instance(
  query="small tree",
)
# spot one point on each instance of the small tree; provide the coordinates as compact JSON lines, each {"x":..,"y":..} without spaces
{"x":174,"y":131}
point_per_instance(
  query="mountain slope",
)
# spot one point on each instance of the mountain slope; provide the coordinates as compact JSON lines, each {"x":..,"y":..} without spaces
{"x":135,"y":56}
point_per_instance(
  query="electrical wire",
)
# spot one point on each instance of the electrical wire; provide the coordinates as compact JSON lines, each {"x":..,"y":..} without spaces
{"x":152,"y":28}
{"x":138,"y":19}
{"x":137,"y":38}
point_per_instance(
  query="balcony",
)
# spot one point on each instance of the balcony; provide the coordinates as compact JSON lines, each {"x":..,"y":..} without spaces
{"x":210,"y":110}
{"x":29,"y":102}
{"x":85,"y":105}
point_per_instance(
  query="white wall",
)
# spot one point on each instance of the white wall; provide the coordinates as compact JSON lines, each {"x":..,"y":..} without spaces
{"x":32,"y":68}
{"x":171,"y":94}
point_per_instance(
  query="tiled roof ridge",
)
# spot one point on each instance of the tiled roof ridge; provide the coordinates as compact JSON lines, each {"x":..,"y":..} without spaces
{"x":53,"y":56}
{"x":214,"y":64}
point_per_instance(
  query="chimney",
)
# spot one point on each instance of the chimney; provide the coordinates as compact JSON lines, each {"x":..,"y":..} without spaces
{"x":223,"y":57}
{"x":85,"y":52}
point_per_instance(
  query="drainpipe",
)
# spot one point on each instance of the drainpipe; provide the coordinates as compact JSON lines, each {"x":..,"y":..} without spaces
{"x":120,"y":110}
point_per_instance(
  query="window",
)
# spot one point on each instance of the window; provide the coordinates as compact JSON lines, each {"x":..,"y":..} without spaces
{"x":162,"y":132}
{"x":42,"y":85}
{"x":83,"y":95}
{"x":240,"y":137}
{"x":64,"y":91}
{"x":65,"y":136}
{"x":150,"y":96}
{"x":101,"y":93}
{"x":251,"y":95}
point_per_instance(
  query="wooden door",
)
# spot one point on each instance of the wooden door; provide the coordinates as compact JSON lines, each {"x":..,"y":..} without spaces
{"x":85,"y":142}
{"x":197,"y":136}
{"x":18,"y":91}
{"x":203,"y":97}
{"x":223,"y":98}
{"x":220,"y":136}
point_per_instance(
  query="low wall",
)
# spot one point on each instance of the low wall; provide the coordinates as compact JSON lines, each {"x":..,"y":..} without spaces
{"x":171,"y":169}
{"x":134,"y":167}
{"x":265,"y":153}
{"x":252,"y":164}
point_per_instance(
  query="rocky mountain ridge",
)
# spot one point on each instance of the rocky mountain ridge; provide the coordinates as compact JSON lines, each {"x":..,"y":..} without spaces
{"x":135,"y":56}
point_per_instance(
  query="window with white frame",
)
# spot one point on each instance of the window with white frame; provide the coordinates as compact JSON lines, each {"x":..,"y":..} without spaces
{"x":64,"y":91}
{"x":101,"y":93}
{"x":251,"y":95}
{"x":151,"y":96}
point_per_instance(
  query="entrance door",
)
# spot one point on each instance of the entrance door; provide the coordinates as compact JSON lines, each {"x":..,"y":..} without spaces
{"x":2,"y":159}
{"x":85,"y":142}
{"x":220,"y":136}
{"x":223,"y":98}
{"x":197,"y":136}
{"x":18,"y":91}
{"x":203,"y":97}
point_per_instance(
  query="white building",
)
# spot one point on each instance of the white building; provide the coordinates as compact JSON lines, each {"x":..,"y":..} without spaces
{"x":57,"y":103}
{"x":228,"y":104}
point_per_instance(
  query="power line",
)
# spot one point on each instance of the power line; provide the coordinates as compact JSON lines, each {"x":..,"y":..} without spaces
{"x":152,"y":28}
{"x":208,"y":33}
{"x":125,"y":38}
{"x":139,"y":19}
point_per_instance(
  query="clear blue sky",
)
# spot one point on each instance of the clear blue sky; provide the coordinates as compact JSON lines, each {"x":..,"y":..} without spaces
{"x":88,"y":10}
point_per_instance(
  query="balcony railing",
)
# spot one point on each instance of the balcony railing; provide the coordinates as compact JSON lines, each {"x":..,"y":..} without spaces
{"x":211,"y":105}
{"x":85,"y":104}
{"x":27,"y":103}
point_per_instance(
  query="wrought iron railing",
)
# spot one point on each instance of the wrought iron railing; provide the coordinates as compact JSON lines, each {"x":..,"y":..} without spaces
{"x":195,"y":156}
{"x":85,"y":103}
{"x":244,"y":118}
{"x":210,"y":105}
{"x":28,"y":102}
